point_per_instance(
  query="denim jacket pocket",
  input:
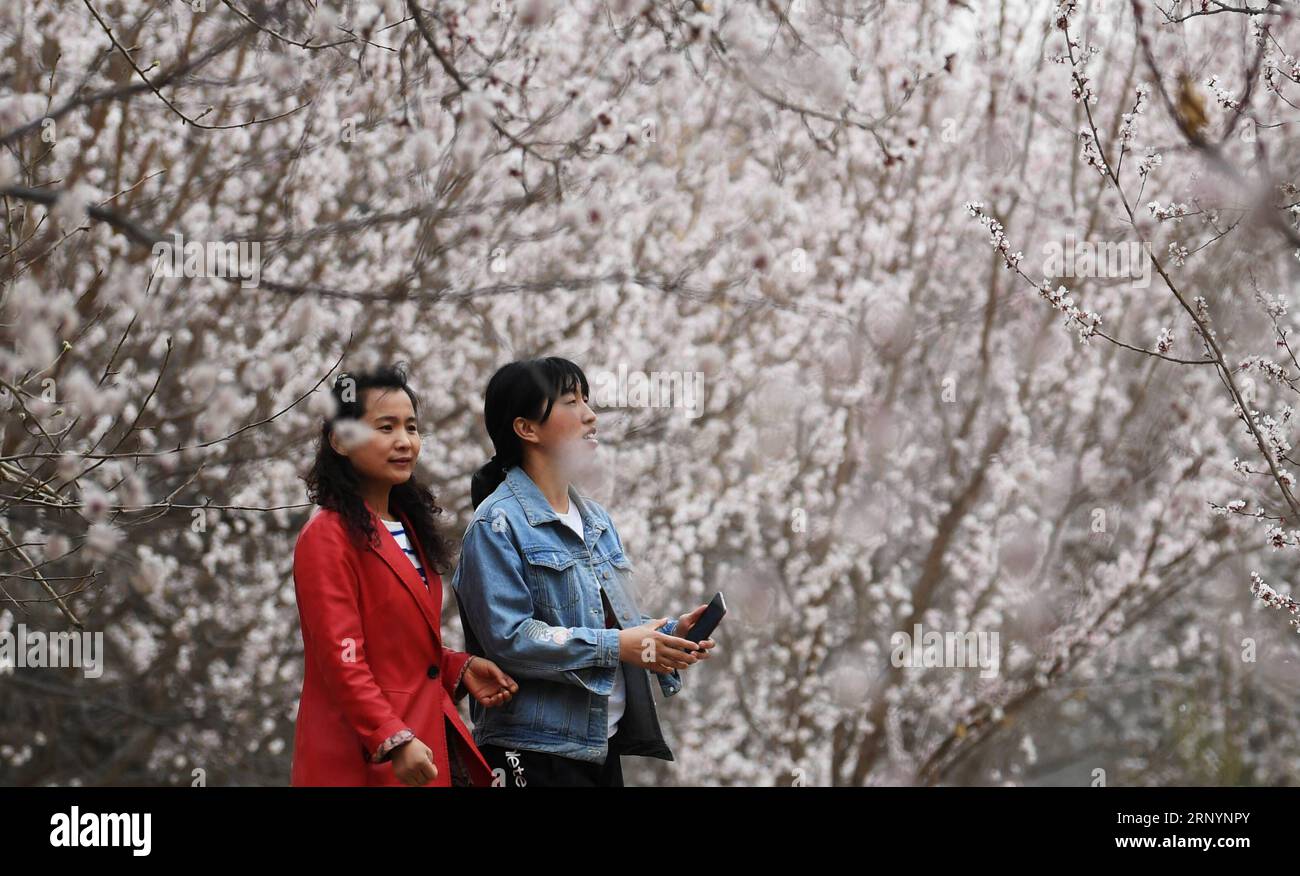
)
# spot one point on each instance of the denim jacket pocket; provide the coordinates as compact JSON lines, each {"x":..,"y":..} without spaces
{"x":552,"y":577}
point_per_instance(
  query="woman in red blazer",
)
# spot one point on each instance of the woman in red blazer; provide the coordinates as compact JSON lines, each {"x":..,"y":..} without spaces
{"x":379,"y":690}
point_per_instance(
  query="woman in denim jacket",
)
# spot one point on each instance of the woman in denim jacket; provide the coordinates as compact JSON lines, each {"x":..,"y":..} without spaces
{"x":543,"y":590}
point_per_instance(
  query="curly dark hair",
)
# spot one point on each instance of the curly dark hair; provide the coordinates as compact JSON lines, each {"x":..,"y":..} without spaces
{"x":333,"y":483}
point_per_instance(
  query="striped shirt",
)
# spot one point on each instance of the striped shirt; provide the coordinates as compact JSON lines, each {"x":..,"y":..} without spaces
{"x":399,"y":535}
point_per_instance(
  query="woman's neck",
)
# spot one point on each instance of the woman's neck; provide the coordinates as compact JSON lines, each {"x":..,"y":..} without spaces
{"x":376,"y":496}
{"x":553,"y":486}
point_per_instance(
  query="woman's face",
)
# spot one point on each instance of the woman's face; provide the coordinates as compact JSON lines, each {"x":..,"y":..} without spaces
{"x":569,"y":433}
{"x":387,"y":452}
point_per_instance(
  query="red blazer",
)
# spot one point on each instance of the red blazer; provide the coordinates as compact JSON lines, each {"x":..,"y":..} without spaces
{"x":373,"y":658}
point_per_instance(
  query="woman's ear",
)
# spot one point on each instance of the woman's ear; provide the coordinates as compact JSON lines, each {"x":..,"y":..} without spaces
{"x":526,"y":430}
{"x":334,"y":443}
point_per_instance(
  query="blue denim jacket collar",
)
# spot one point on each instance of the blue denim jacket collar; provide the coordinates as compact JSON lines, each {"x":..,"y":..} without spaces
{"x":538,"y":510}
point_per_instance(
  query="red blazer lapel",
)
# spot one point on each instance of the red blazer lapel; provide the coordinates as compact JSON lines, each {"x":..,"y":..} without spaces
{"x":391,"y":553}
{"x":433,"y":599}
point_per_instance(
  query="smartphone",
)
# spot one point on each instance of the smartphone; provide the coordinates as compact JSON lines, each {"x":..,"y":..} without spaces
{"x":708,"y":621}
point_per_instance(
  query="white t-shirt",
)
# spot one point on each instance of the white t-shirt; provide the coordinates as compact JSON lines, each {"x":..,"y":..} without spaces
{"x":573,"y":519}
{"x":618,"y":695}
{"x":399,"y":535}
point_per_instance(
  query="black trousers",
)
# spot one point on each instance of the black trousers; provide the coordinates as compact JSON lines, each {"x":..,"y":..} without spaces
{"x":536,"y":769}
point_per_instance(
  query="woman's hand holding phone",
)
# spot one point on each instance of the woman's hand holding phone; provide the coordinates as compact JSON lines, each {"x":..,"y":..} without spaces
{"x":687,"y":622}
{"x":659,"y":652}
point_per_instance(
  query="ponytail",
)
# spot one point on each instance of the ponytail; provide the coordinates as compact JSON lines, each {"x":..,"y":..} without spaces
{"x":485,"y":481}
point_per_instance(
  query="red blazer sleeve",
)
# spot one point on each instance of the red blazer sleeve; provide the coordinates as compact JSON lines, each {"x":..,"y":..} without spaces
{"x":327,"y":584}
{"x":452,"y":664}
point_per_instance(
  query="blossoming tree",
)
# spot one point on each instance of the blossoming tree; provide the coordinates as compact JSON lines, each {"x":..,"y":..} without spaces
{"x":211,"y":207}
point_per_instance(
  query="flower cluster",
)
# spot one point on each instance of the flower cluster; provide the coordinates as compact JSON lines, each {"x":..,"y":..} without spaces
{"x":1089,"y":152}
{"x":1274,"y":305}
{"x":1064,"y":10}
{"x":1276,"y":537}
{"x":1270,"y":369}
{"x":1287,"y":68}
{"x":1223,"y":98}
{"x":1236,"y":506}
{"x":1273,"y":599}
{"x":996,"y":235}
{"x":1274,"y":430}
{"x":1128,"y":127}
{"x":1086,"y":321}
{"x":1152,"y":160}
{"x":1173,"y":211}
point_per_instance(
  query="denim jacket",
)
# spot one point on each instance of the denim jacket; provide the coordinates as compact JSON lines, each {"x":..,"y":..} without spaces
{"x":529,"y":592}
